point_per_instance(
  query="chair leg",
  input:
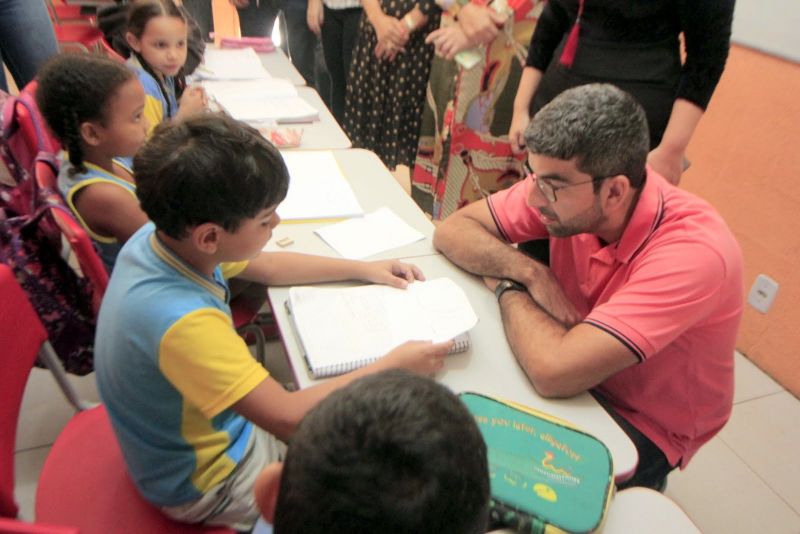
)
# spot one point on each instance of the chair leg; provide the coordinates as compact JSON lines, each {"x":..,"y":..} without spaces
{"x":261,"y":341}
{"x":49,"y":358}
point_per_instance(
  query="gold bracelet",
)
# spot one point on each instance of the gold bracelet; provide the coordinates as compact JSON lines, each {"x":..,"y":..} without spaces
{"x":409,"y":22}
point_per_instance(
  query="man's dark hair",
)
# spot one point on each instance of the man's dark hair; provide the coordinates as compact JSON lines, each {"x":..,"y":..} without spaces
{"x":208,"y":168}
{"x":390,"y":453}
{"x":77,"y":88}
{"x":600,"y":125}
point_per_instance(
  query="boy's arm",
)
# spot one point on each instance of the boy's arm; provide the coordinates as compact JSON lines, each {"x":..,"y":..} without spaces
{"x":278,"y":411}
{"x":288,"y":268}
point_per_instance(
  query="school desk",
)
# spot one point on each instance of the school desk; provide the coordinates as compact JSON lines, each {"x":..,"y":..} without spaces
{"x":488,"y":367}
{"x":279,"y":66}
{"x":374,"y":187}
{"x":322,"y":134}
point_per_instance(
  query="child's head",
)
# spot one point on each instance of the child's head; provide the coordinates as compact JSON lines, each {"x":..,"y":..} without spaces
{"x":391,"y":452}
{"x":157,"y":33}
{"x":212,"y":171}
{"x":92,"y":101}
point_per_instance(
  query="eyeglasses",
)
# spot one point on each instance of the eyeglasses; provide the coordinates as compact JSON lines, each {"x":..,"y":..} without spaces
{"x":548,"y":189}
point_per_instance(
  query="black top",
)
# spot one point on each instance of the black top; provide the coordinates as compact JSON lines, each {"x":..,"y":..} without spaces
{"x":706,"y":25}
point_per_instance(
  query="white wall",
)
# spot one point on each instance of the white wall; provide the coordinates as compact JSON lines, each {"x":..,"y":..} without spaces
{"x":772,"y":26}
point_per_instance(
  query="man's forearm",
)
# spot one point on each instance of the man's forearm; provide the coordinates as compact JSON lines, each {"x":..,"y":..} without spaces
{"x":469,"y":245}
{"x":534,"y":335}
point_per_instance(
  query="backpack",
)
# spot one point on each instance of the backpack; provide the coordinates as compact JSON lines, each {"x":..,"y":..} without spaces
{"x":546,"y":475}
{"x":30,"y":244}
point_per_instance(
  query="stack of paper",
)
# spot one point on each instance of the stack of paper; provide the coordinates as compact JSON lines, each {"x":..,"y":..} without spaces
{"x":317,"y":188}
{"x":369,"y":235}
{"x":238,"y":64}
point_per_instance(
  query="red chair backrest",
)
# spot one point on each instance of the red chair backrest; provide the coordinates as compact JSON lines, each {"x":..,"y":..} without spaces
{"x":79,"y":241}
{"x":21,"y":336}
{"x":14,"y":526}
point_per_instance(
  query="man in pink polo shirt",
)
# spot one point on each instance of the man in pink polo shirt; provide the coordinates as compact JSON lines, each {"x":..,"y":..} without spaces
{"x":643,"y":297}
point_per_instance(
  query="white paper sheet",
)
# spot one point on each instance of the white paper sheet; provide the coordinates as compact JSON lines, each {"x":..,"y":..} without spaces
{"x":317,"y":188}
{"x":283,"y":110}
{"x":250,"y":89}
{"x":369,"y":235}
{"x":231,"y":64}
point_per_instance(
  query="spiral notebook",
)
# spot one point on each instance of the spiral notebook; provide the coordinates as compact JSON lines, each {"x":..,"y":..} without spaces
{"x":343,"y":328}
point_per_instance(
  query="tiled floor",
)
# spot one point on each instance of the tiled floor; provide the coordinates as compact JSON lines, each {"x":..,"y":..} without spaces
{"x":744,"y":480}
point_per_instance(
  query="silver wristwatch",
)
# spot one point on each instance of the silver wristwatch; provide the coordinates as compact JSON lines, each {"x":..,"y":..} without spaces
{"x":506,"y":285}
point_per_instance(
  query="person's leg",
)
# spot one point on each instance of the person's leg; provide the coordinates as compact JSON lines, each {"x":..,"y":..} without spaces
{"x":339,"y":34}
{"x":26,"y":38}
{"x":301,"y":41}
{"x":653,"y":467}
{"x":231,"y":503}
{"x":257,"y":18}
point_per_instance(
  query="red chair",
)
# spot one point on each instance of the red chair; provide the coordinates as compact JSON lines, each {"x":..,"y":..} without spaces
{"x":84,"y":482}
{"x":15,"y":526}
{"x":79,"y":241}
{"x":23,"y":338}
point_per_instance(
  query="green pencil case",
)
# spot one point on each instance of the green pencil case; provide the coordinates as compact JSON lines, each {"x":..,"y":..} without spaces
{"x":547,"y":476}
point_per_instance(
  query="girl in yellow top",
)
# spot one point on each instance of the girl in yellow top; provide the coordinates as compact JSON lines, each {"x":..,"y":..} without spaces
{"x":94,"y":106}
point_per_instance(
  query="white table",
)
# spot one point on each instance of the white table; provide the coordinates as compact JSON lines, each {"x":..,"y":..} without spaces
{"x":323,"y":134}
{"x":279,"y":66}
{"x":489,"y":366}
{"x":374,"y":187}
{"x":645,"y":510}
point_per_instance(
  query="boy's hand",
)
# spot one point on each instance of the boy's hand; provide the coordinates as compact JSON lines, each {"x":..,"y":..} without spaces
{"x":391,"y":273}
{"x":421,"y":357}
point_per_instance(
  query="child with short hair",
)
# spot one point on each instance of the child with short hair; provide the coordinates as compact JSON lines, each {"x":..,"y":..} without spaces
{"x":196,"y":416}
{"x":391,"y":452}
{"x":157,"y":33}
{"x":94,"y":106}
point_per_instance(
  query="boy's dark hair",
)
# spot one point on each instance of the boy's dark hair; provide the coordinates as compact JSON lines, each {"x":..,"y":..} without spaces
{"x":390,"y":453}
{"x":208,"y":168}
{"x":76,"y":88}
{"x":139,"y":14}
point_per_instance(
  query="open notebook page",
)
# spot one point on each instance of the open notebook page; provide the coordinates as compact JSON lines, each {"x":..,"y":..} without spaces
{"x":317,"y":188}
{"x":371,"y":320}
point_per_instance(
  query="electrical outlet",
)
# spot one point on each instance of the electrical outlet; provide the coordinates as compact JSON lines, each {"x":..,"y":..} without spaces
{"x":763,"y":292}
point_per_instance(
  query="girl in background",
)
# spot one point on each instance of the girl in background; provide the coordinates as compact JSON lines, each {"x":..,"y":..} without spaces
{"x":157,"y":36}
{"x":95,"y":107}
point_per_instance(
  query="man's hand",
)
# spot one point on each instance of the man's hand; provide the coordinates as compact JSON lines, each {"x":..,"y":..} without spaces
{"x":516,"y":133}
{"x":480,"y":24}
{"x":421,"y":357}
{"x":448,"y":41}
{"x":550,"y":298}
{"x":391,"y":273}
{"x":315,"y":16}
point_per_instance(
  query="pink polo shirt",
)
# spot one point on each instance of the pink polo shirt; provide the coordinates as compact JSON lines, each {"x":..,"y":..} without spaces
{"x":670,"y":290}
